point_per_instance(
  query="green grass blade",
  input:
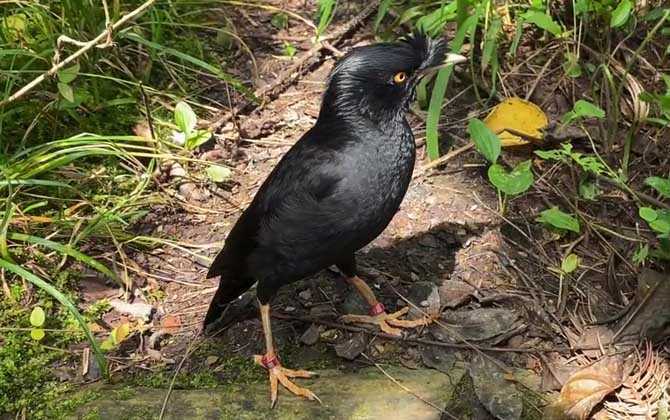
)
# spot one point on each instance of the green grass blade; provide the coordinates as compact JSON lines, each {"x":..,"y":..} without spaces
{"x":64,"y":249}
{"x":440,"y":88}
{"x":9,"y":212}
{"x":34,"y":182}
{"x":53,"y":292}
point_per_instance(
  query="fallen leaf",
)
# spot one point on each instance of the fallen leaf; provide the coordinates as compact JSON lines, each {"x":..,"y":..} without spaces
{"x":120,"y":333}
{"x":497,"y":394}
{"x":454,"y":292}
{"x":587,"y":388}
{"x":210,"y":360}
{"x":171,"y":323}
{"x":475,"y":325}
{"x":516,"y":116}
{"x":351,"y":348}
{"x":438,"y":358}
{"x":653,"y":319}
{"x":556,"y":374}
{"x":426,"y":297}
{"x":136,"y":309}
{"x":311,"y":335}
{"x":593,"y":336}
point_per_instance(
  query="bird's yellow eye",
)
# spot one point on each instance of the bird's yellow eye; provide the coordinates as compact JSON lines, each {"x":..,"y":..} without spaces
{"x":400,"y":77}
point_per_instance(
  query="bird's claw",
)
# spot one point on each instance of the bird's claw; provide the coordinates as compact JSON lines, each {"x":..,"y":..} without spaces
{"x":279,"y":374}
{"x":387,"y":322}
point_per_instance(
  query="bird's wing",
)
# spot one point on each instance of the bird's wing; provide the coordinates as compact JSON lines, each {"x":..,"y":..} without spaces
{"x":299,"y":209}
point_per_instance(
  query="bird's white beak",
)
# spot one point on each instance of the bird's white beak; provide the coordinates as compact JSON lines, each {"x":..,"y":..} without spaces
{"x":448,"y":60}
{"x":454,"y":59}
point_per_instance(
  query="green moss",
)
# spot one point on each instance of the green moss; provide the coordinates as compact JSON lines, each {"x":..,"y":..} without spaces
{"x":27,"y":384}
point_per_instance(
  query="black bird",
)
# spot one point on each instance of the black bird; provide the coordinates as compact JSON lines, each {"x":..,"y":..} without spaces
{"x":334,"y":191}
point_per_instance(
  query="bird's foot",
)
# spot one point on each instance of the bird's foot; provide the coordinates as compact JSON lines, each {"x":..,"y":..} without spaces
{"x":387,"y":322}
{"x":280,"y":374}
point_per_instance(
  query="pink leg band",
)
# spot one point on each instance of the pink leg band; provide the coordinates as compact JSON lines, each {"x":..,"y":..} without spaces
{"x":377,"y":309}
{"x":269,"y":363}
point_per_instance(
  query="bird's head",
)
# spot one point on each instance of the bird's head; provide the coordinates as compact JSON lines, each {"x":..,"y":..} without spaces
{"x":379,"y":81}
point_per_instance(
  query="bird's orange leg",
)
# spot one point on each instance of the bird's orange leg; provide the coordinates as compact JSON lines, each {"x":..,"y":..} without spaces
{"x":278,"y":373}
{"x":378,"y":315}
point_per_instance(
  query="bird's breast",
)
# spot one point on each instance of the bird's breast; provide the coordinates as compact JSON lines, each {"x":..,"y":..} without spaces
{"x":383,"y":173}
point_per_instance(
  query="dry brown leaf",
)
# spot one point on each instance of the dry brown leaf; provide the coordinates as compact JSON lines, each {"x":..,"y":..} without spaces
{"x":455,"y":292}
{"x":586,"y":388}
{"x":171,"y":323}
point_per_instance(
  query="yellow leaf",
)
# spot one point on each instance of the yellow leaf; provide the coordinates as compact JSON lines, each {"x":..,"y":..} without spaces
{"x":37,"y":334}
{"x":120,"y":333}
{"x":516,"y":116}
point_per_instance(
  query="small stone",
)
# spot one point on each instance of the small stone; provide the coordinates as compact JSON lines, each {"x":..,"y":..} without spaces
{"x":210,"y":360}
{"x":311,"y":335}
{"x":289,"y":309}
{"x":305,"y":294}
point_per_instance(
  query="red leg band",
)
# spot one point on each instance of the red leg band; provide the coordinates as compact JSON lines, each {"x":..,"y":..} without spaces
{"x":377,"y":309}
{"x":269,"y":363}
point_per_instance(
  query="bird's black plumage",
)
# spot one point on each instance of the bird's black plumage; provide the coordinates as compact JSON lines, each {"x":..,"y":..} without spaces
{"x":339,"y":186}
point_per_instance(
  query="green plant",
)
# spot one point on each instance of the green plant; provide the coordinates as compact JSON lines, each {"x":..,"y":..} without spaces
{"x":557,"y":219}
{"x":516,"y":181}
{"x":325,"y":15}
{"x":188,"y":135}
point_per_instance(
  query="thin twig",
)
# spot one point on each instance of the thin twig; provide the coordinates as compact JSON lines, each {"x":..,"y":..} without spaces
{"x":444,"y":159}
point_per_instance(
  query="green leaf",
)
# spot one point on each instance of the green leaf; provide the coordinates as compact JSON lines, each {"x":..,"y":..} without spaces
{"x":279,"y":20}
{"x":641,"y":254}
{"x":382,"y":11}
{"x":588,"y":189}
{"x":486,"y":141}
{"x":512,"y":183}
{"x":542,"y":21}
{"x":185,"y":118}
{"x":560,"y":220}
{"x":37,"y":317}
{"x":661,"y":185}
{"x":66,"y":92}
{"x":583,"y":109}
{"x":648,"y":214}
{"x":586,"y":109}
{"x":218,"y":173}
{"x":326,"y":13}
{"x":37,"y":334}
{"x":197,"y":138}
{"x":661,"y":226}
{"x":69,"y":74}
{"x":621,"y":14}
{"x":571,"y":65}
{"x":65,"y":301}
{"x":289,"y":49}
{"x":107,"y":344}
{"x":570,"y":263}
{"x":555,"y":154}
